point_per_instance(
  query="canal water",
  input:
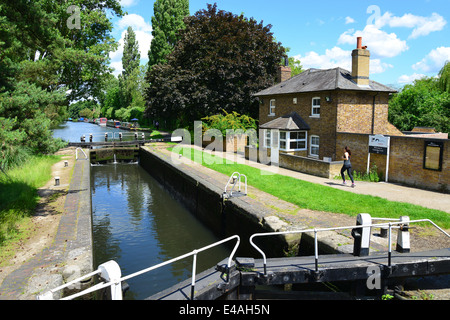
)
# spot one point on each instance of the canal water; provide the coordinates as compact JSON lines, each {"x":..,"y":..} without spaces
{"x":137,"y":223}
{"x":72,"y":132}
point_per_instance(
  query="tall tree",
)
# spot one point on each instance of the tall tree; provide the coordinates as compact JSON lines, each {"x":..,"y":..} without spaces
{"x":130,"y":61}
{"x":131,"y":56}
{"x":166,"y":23}
{"x":220,"y":60}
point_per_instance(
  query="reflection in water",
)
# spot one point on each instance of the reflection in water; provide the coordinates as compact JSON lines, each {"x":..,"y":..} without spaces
{"x":138,"y":224}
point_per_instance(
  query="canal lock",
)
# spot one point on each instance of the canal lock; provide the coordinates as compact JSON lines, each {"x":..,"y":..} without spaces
{"x":114,"y":155}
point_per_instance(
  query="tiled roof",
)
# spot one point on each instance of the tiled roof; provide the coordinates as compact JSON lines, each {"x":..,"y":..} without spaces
{"x":288,"y":122}
{"x":313,"y":80}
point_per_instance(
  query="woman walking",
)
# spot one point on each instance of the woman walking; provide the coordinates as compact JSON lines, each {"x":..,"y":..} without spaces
{"x":347,"y":166}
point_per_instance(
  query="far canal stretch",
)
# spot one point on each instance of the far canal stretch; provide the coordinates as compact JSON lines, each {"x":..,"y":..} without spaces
{"x":72,"y":132}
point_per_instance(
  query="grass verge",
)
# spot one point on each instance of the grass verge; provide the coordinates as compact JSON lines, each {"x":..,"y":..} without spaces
{"x":18,"y":194}
{"x":317,"y":197}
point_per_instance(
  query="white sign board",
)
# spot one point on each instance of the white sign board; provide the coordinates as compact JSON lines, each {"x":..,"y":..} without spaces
{"x":379,"y":141}
{"x":379,"y":144}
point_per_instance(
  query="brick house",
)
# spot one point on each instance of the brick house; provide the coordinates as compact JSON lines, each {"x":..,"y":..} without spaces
{"x":310,"y":108}
{"x":312,"y":116}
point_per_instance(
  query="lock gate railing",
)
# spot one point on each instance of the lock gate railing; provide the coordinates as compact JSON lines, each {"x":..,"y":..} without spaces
{"x":333,"y":267}
{"x":111,"y":273}
{"x":365,"y":228}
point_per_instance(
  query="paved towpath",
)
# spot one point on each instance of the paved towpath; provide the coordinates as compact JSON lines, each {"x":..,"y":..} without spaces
{"x":69,"y":254}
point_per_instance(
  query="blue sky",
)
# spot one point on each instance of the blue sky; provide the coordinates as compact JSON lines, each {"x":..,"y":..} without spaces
{"x":407,"y":39}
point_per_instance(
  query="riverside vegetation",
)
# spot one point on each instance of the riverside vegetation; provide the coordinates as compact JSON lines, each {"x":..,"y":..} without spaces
{"x":19,"y":197}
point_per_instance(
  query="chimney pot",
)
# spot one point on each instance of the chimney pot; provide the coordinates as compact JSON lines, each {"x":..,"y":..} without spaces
{"x":359,"y":43}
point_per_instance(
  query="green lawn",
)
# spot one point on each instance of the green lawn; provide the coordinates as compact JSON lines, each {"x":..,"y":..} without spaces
{"x":322,"y":198}
{"x":18,"y":193}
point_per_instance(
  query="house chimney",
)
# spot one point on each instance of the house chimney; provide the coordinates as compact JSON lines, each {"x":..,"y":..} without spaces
{"x":360,"y":64}
{"x":284,"y":72}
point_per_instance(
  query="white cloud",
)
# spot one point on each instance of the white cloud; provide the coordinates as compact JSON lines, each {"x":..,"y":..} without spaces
{"x":404,"y":79}
{"x":135,"y":21}
{"x":128,"y":3}
{"x":143,"y":31}
{"x":376,"y":66}
{"x":145,"y":40}
{"x":349,"y":20}
{"x":422,"y":26}
{"x":380,"y":43}
{"x":337,"y":57}
{"x":434,"y":61}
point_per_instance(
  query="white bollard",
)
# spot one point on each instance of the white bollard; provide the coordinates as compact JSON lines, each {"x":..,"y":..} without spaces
{"x":110,"y":271}
{"x":403,"y":243}
{"x":362,"y":235}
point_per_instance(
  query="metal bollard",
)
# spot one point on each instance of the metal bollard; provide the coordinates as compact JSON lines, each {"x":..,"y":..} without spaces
{"x":66,"y":163}
{"x":110,"y":272}
{"x":403,"y":243}
{"x":56,"y":181}
{"x":362,"y":235}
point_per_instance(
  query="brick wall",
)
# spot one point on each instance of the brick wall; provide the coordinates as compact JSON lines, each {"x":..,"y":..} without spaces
{"x":405,"y":161}
{"x":310,"y":166}
{"x":355,"y":113}
{"x":297,"y":163}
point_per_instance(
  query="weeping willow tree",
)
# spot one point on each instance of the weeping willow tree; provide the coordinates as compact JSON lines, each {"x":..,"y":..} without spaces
{"x":444,"y":77}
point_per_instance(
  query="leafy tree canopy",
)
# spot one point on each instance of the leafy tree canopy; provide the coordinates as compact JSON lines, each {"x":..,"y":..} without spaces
{"x":220,"y":60}
{"x":46,"y":62}
{"x":229,"y":121}
{"x":421,"y":104}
